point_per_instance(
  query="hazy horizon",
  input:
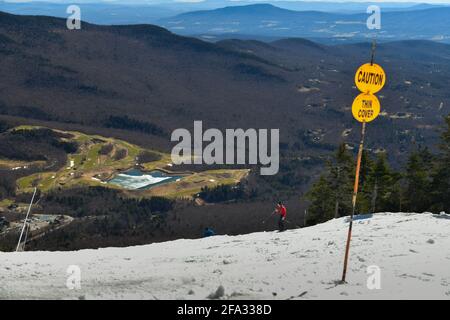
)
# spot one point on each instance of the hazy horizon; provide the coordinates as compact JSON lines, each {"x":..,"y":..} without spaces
{"x":237,"y":1}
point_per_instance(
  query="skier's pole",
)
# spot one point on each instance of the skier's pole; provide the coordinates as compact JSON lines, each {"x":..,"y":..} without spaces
{"x":355,"y":194}
{"x":264,"y":221}
{"x":297,"y":226}
{"x":26,"y":220}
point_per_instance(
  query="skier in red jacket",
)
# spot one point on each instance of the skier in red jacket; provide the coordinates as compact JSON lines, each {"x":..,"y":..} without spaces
{"x":280,"y":209}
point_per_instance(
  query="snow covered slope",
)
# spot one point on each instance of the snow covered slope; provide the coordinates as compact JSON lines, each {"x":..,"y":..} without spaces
{"x":411,"y":250}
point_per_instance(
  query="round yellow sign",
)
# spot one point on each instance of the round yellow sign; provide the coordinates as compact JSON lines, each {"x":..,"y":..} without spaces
{"x":366,"y":107}
{"x":370,"y":78}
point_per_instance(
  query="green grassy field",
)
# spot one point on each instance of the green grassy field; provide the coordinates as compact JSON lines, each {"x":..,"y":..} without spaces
{"x":192,"y":184}
{"x":92,"y":167}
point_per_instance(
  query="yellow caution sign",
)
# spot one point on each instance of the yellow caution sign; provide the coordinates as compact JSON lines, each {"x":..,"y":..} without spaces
{"x":370,"y":78}
{"x":366,"y":107}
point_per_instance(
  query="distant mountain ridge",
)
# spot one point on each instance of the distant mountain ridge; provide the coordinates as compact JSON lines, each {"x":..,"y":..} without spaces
{"x":114,"y":13}
{"x":251,"y":10}
{"x":424,"y":22}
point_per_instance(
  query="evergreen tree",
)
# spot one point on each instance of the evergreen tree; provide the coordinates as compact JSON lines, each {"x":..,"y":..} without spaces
{"x":342,"y":176}
{"x":365,"y":192}
{"x":424,"y":186}
{"x":331,"y":195}
{"x":418,"y":181}
{"x":441,"y":175}
{"x":322,"y":207}
{"x":383,"y":190}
